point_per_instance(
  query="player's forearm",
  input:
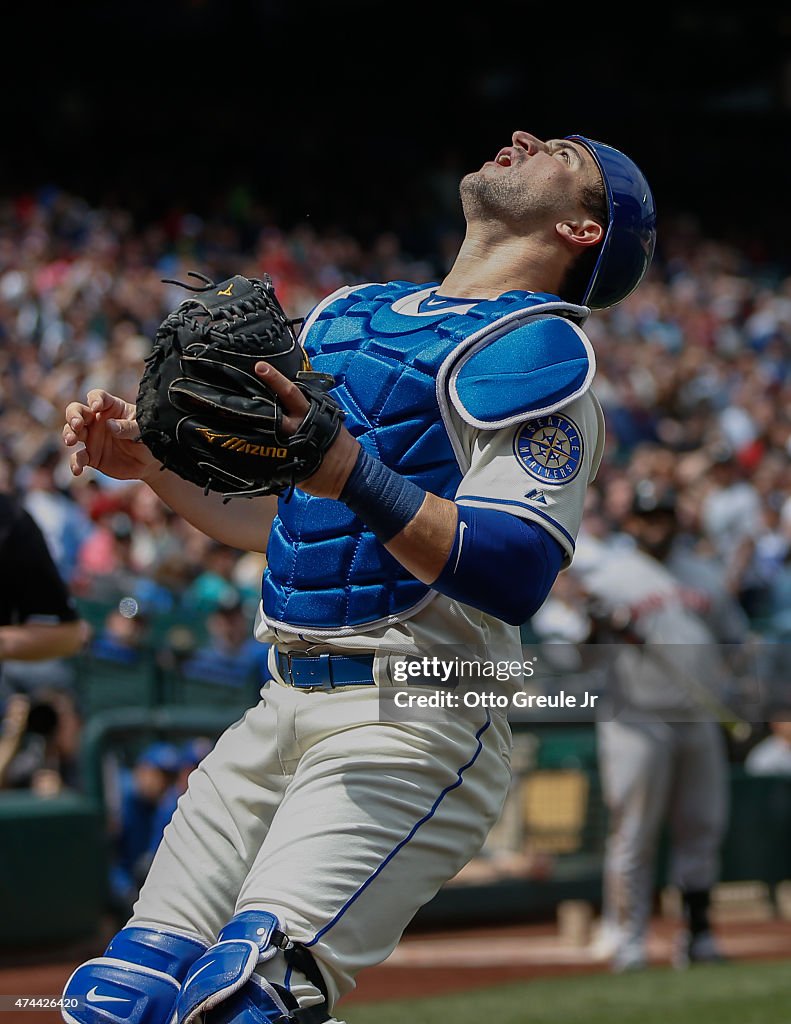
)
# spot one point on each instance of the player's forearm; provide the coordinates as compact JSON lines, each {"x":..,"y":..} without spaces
{"x":425,"y":543}
{"x":243,"y":523}
{"x":34,"y":641}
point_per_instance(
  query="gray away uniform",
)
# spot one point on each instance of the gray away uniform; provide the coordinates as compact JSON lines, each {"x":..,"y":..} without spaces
{"x":661,"y":752}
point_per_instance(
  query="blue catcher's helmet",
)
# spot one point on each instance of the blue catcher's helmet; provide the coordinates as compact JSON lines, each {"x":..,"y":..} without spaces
{"x":630,"y":237}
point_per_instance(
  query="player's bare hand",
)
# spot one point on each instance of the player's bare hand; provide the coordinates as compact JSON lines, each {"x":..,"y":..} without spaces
{"x":106,"y":427}
{"x":339,"y":460}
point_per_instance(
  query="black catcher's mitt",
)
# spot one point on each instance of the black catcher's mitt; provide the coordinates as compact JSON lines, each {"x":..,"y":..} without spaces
{"x":204,"y":413}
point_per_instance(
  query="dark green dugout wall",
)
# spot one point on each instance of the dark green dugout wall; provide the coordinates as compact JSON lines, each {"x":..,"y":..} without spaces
{"x":53,"y":870}
{"x":54,"y":851}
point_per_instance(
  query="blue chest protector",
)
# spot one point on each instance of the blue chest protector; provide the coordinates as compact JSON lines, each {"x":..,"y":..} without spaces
{"x":498,"y":362}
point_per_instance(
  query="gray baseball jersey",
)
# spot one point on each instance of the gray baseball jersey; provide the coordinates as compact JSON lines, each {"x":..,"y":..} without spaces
{"x":661,"y":753}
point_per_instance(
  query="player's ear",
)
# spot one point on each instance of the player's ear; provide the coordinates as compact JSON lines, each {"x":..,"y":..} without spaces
{"x":580,"y":234}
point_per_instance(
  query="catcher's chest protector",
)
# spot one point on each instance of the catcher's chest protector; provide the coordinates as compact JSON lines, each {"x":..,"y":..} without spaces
{"x":327,"y":574}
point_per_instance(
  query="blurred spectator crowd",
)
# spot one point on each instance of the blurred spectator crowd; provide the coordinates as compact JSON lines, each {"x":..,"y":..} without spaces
{"x":81,"y":295}
{"x":693,"y":373}
{"x":694,"y":376}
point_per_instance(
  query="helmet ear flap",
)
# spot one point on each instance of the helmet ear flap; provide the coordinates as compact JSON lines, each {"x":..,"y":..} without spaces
{"x":628,"y":246}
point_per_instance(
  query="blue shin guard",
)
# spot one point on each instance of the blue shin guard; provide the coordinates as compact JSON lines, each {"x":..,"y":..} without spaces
{"x":222,"y":987}
{"x":136,"y":981}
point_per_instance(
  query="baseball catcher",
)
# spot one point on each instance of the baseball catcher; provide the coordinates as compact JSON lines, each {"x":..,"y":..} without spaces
{"x":439,"y":511}
{"x":204,"y":413}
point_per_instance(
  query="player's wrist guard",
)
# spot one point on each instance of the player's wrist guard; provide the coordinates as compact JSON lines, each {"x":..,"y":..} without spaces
{"x":385,"y":501}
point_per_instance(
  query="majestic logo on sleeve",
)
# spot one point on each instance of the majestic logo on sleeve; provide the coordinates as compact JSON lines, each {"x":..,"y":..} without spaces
{"x":550,"y":449}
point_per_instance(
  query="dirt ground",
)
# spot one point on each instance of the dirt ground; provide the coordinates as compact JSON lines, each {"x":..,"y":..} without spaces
{"x":433,"y":962}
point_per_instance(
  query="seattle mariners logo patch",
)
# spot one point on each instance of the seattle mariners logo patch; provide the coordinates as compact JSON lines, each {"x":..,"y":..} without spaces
{"x":550,"y":449}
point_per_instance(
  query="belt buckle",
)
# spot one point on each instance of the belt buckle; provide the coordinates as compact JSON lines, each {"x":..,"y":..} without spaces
{"x":324,"y":664}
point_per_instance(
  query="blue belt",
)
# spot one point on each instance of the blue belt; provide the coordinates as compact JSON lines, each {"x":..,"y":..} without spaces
{"x":325,"y":671}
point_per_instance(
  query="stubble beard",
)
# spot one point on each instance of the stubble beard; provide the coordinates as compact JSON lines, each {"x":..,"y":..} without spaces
{"x":494,"y":198}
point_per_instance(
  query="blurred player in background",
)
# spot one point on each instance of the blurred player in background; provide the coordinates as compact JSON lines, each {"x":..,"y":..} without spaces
{"x":192,"y":753}
{"x":133,"y":804}
{"x":663,"y":757}
{"x":38,"y":615}
{"x":39,"y":622}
